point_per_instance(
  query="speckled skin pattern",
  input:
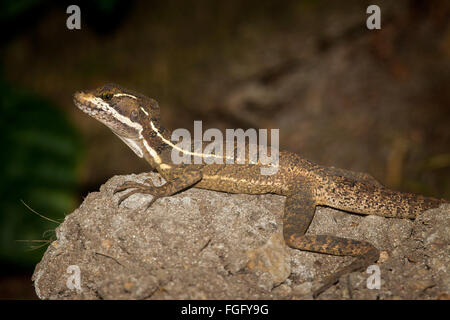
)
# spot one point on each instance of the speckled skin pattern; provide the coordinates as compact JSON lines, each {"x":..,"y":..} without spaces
{"x":136,"y":120}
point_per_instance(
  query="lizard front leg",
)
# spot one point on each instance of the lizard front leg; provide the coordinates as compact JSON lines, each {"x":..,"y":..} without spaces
{"x":188,"y":179}
{"x":298,"y":213}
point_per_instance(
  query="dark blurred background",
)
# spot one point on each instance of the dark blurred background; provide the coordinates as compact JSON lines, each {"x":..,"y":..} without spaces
{"x":341,"y":95}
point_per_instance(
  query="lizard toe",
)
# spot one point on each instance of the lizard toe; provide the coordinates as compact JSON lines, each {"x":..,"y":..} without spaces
{"x":129,"y":185}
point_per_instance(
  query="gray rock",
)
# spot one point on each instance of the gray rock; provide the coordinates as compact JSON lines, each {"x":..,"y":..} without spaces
{"x":201,"y":244}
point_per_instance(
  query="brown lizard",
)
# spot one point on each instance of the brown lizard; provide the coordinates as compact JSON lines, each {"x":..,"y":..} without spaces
{"x":135,"y":119}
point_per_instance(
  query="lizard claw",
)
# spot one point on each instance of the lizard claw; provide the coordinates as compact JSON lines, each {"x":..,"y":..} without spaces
{"x":167,"y":189}
{"x":129,"y":185}
{"x":126,"y":195}
{"x":151,"y":202}
{"x":327,"y":284}
{"x":138,"y":188}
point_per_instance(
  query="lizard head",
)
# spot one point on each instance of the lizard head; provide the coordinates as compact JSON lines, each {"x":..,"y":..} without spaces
{"x":125,"y":112}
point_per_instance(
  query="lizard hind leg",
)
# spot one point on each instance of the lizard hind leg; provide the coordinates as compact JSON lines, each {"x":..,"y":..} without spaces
{"x":355,"y":175}
{"x":298,"y":214}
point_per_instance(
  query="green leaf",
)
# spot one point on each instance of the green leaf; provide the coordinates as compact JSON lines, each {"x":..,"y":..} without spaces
{"x":41,"y":157}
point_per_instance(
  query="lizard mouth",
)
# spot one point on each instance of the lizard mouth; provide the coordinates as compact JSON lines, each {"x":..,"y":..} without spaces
{"x":106,"y":114}
{"x":85,"y":102}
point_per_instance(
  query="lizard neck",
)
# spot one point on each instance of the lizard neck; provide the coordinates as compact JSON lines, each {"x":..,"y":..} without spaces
{"x":156,"y":142}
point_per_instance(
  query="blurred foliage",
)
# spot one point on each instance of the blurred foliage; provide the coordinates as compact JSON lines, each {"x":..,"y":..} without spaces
{"x":11,"y":9}
{"x":41,"y":150}
{"x":41,"y":153}
{"x":22,"y":15}
{"x":107,"y":6}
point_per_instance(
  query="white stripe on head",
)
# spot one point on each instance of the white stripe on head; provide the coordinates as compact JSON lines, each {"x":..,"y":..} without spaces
{"x":113,"y":112}
{"x":143,"y":110}
{"x":125,"y":95}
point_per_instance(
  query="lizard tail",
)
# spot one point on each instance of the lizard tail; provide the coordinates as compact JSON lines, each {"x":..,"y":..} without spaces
{"x":364,"y":198}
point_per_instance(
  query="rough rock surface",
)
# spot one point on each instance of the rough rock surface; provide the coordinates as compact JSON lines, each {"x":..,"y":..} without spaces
{"x":202,"y":244}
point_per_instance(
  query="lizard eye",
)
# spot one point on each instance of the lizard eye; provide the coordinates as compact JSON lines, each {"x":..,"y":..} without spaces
{"x":107,"y":96}
{"x":134,"y":115}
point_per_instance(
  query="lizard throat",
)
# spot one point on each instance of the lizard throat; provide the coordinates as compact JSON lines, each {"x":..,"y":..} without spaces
{"x":141,"y":147}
